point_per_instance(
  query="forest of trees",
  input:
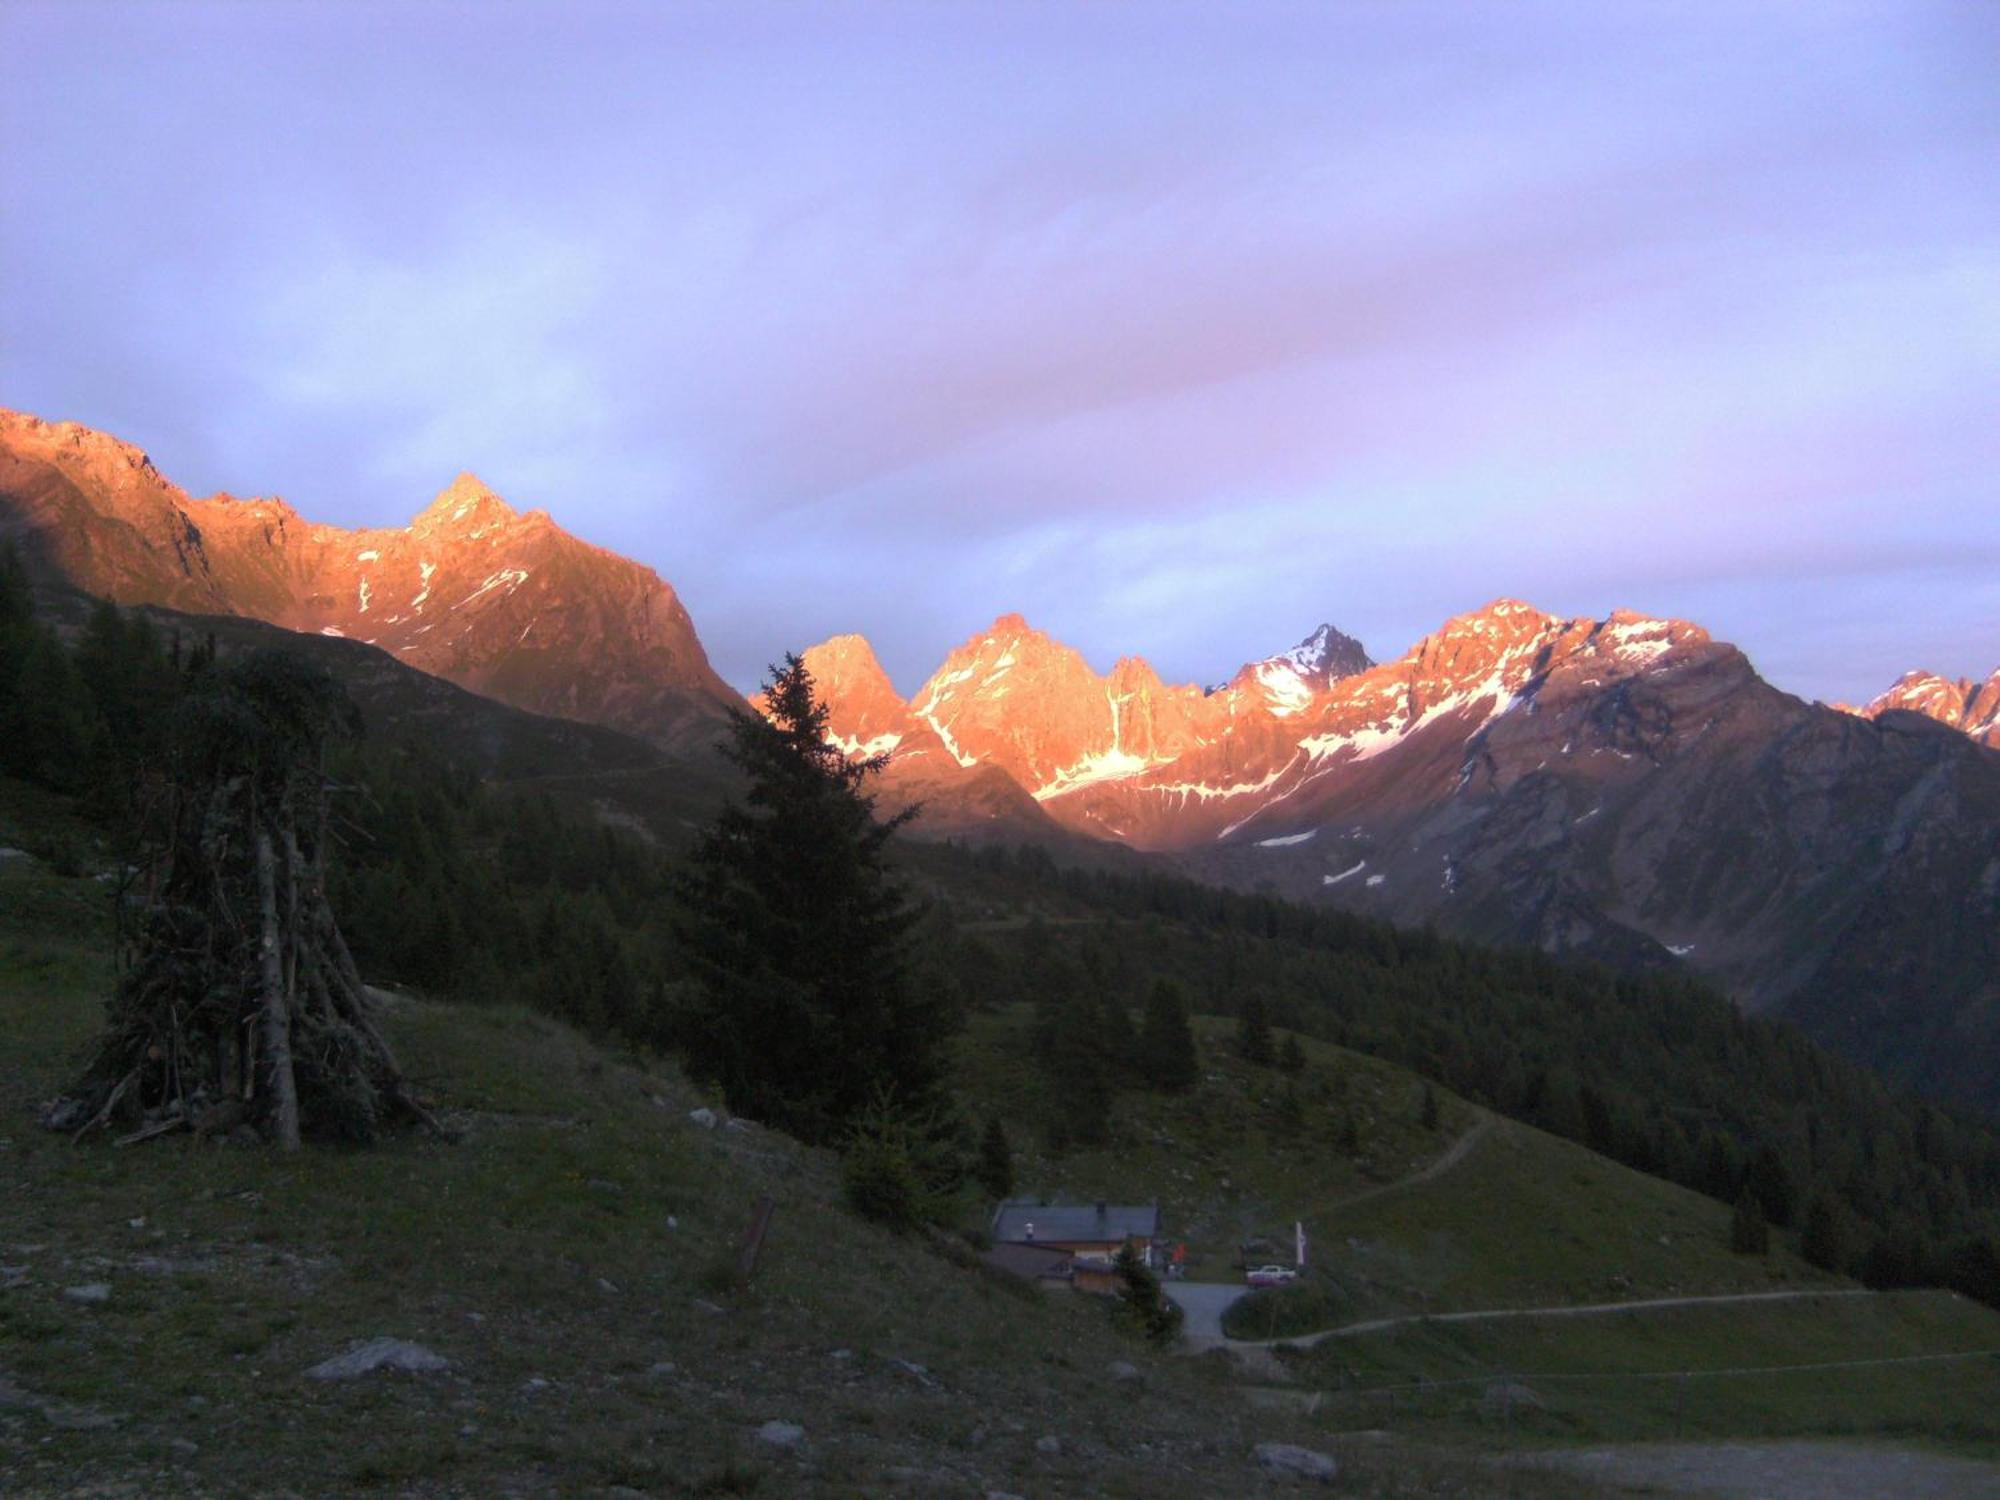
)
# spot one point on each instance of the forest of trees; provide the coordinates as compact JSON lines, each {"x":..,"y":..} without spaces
{"x":483,"y":894}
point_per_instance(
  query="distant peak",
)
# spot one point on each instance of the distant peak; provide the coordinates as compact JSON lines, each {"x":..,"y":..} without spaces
{"x":1013,"y":624}
{"x":1327,"y":653}
{"x":468,"y":498}
{"x":842,"y":655}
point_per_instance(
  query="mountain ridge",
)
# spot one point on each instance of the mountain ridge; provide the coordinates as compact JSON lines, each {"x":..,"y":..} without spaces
{"x":459,"y":592}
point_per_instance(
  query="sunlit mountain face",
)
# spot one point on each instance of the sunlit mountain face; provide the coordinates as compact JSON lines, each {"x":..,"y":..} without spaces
{"x":1302,"y":313}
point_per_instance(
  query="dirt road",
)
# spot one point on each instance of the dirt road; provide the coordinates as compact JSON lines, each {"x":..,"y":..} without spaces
{"x":1779,"y":1471}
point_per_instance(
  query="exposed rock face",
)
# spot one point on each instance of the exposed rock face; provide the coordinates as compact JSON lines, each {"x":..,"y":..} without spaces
{"x":1973,"y":708}
{"x":866,"y":718}
{"x":505,"y":603}
{"x":1625,"y":789}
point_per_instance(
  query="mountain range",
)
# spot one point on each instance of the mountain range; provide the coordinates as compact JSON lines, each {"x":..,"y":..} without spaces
{"x":1623,"y":788}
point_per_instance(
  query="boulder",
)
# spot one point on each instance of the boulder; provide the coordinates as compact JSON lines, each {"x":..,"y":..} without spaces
{"x":705,"y":1118}
{"x":781,"y":1434}
{"x":91,"y":1294}
{"x":378,"y":1354}
{"x":1289,"y":1461}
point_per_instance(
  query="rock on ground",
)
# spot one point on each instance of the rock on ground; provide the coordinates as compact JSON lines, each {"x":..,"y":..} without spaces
{"x":378,"y":1354}
{"x":1293,"y":1462}
{"x":781,"y":1434}
{"x":90,"y":1294}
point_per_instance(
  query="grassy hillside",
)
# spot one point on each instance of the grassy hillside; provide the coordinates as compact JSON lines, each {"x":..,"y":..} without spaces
{"x":1523,"y":1218}
{"x":564,"y":1258}
{"x":1908,"y":1366}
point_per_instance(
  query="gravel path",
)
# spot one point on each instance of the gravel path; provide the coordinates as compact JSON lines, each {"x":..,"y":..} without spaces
{"x":1781,"y":1471}
{"x":1203,"y":1303}
{"x":1574,"y":1310}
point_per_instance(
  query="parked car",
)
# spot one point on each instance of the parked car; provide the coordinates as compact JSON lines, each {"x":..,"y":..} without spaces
{"x":1271,"y":1276}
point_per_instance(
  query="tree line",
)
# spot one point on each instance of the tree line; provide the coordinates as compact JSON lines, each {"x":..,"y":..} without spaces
{"x":476,"y":892}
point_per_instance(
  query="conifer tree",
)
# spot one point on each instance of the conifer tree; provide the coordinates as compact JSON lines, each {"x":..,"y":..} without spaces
{"x":1748,"y":1233}
{"x":1166,"y":1042}
{"x":1253,"y":1033}
{"x":996,"y":1160}
{"x":801,"y":937}
{"x":1823,"y":1238}
{"x":1293,"y":1058}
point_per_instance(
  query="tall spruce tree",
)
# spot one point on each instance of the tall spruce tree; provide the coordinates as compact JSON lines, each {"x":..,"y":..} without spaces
{"x":1166,"y":1042}
{"x":1253,"y":1033}
{"x":807,"y":1013}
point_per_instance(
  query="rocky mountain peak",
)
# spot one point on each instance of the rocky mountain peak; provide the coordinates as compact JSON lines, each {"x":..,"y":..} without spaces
{"x":468,"y":505}
{"x":1325,"y":655}
{"x":1963,"y":704}
{"x":846,"y":667}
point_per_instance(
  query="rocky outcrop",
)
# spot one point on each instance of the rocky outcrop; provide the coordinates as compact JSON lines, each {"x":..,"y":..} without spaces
{"x":1972,"y":708}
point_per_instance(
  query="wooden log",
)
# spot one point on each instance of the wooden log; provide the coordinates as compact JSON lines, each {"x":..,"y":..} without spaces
{"x":753,"y":1239}
{"x":277,"y":1020}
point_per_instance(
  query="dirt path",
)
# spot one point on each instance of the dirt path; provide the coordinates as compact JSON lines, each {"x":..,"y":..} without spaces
{"x":1203,"y":1303}
{"x":1779,"y":1471}
{"x":1454,"y":1154}
{"x":1575,"y":1310}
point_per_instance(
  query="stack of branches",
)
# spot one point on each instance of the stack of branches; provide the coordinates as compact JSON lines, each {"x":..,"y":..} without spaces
{"x":240,"y":1005}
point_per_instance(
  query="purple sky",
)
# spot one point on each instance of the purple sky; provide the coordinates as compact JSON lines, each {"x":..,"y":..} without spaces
{"x":1178,"y":328}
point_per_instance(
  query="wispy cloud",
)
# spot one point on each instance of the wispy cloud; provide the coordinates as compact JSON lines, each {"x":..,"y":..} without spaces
{"x":1178,"y":329}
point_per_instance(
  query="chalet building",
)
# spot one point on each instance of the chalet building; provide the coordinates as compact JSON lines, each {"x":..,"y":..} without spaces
{"x":1090,"y":1233}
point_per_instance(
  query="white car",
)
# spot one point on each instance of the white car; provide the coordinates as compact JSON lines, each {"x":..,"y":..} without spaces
{"x":1271,"y":1276}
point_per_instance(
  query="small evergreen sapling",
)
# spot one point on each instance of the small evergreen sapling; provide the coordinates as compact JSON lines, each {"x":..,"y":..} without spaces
{"x":1748,"y":1232}
{"x":996,"y":1160}
{"x":1253,"y":1033}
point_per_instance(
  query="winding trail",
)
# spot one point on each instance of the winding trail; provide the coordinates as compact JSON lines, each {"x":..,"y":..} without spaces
{"x":1573,"y":1310}
{"x":1203,"y":1304}
{"x":1454,"y":1154}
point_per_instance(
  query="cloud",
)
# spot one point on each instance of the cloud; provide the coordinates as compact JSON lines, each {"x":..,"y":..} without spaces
{"x":1179,"y":330}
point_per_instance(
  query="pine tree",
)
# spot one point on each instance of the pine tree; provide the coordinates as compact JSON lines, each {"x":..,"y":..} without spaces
{"x":1253,"y":1033}
{"x":1823,"y":1237}
{"x":996,"y":1160}
{"x":1428,"y":1115}
{"x":801,"y":937}
{"x":1293,"y":1058}
{"x":1155,"y":1315}
{"x":1748,"y":1233}
{"x":1166,"y":1042}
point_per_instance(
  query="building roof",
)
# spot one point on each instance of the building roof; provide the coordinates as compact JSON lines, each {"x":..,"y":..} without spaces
{"x":1075,"y":1223}
{"x":1030,"y":1262}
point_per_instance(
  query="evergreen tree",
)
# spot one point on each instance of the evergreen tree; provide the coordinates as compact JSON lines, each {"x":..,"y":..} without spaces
{"x":1293,"y":1058}
{"x":1428,"y":1115}
{"x":1748,"y":1233}
{"x":1149,"y":1309}
{"x":1253,"y":1033}
{"x":1823,"y":1237}
{"x":996,"y":1160}
{"x":1772,"y":1185}
{"x":1167,"y":1057}
{"x":801,"y":937}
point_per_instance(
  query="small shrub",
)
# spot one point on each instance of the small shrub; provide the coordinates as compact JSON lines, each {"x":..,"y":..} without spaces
{"x":1141,"y":1302}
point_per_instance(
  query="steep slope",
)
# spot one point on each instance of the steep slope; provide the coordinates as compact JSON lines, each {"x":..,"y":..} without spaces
{"x":1625,"y":789}
{"x":866,"y":718}
{"x":1973,"y":708}
{"x":505,"y":603}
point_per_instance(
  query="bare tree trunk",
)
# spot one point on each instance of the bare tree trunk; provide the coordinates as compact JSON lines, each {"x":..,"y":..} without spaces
{"x":277,"y":1023}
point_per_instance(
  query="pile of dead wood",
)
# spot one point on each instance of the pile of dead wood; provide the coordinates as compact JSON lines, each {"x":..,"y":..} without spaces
{"x":239,"y":1007}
